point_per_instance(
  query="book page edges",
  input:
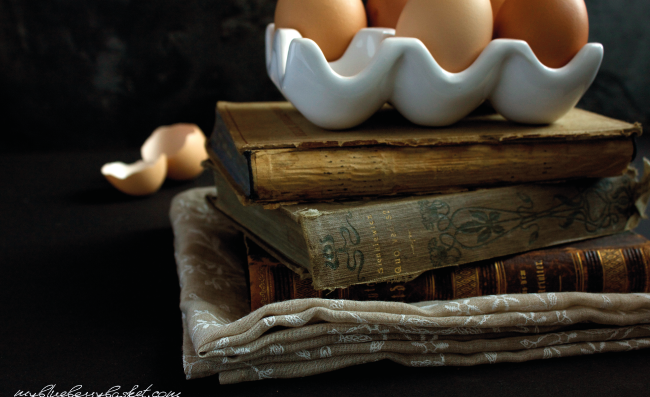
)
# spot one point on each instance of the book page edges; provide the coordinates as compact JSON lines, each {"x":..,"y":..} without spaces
{"x":285,"y":175}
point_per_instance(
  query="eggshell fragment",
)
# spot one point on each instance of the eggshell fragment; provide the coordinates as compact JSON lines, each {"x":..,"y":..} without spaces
{"x":330,"y":23}
{"x":138,"y":179}
{"x":455,"y":32}
{"x":184,"y":146}
{"x":554,"y":29}
{"x":384,"y":13}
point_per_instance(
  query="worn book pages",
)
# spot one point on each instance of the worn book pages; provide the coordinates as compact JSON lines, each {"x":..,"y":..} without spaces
{"x":283,"y":175}
{"x":311,"y":336}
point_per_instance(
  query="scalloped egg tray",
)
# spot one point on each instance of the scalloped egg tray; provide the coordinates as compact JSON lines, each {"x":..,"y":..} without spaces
{"x":378,"y":68}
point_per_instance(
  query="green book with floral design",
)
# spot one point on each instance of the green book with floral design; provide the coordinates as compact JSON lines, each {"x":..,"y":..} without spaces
{"x":339,"y":244}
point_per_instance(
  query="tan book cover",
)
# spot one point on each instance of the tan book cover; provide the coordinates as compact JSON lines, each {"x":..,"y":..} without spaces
{"x":270,"y":153}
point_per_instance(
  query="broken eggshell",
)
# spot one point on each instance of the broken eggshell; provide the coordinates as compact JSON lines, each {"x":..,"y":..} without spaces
{"x":137,"y":179}
{"x":175,"y":151}
{"x":184,"y":146}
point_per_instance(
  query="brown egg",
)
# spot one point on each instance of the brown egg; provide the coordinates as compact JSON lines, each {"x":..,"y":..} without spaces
{"x":330,"y":23}
{"x":496,"y":6}
{"x":555,"y":29}
{"x":384,"y":13}
{"x":454,"y":31}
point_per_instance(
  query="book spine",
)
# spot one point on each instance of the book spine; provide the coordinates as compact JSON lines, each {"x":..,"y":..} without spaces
{"x":226,"y":158}
{"x":380,"y":241}
{"x":348,"y":172}
{"x":611,"y":270}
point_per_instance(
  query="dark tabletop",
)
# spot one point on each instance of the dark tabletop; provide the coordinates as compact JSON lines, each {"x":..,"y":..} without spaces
{"x":90,"y":297}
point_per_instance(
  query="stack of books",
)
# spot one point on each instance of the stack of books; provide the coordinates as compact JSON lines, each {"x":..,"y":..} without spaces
{"x":393,"y":211}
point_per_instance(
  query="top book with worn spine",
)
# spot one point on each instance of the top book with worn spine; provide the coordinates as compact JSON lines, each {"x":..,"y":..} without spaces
{"x":270,"y":153}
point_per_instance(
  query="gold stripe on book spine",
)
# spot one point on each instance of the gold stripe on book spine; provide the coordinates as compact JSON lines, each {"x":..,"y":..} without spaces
{"x":646,"y":268}
{"x":580,"y":272}
{"x":264,"y":297}
{"x":431,"y":286}
{"x":466,"y":283}
{"x":500,"y":274}
{"x":614,"y":270}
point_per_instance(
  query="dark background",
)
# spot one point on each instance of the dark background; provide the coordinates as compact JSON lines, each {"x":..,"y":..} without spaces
{"x":88,"y":289}
{"x":97,"y":74}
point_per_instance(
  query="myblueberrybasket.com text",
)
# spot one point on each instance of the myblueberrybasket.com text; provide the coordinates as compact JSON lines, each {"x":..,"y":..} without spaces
{"x":115,"y":391}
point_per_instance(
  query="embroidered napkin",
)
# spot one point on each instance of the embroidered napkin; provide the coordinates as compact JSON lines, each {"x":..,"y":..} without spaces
{"x":310,"y":336}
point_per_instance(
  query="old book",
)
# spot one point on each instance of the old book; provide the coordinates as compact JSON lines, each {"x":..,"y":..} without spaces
{"x":614,"y":264}
{"x":345,"y":243}
{"x":270,"y":153}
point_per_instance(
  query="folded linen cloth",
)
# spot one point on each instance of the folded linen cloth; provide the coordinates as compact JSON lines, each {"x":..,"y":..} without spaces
{"x":309,"y":336}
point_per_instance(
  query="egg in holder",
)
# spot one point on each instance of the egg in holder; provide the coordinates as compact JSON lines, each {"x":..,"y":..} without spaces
{"x":378,"y":68}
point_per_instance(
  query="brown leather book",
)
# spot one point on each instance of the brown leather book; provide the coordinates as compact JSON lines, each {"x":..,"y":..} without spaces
{"x":614,"y":264}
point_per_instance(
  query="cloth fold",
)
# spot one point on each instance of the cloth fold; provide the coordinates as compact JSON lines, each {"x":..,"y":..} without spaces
{"x":310,"y":336}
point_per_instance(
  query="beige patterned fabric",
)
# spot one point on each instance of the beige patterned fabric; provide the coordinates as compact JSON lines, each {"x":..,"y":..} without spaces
{"x":310,"y":336}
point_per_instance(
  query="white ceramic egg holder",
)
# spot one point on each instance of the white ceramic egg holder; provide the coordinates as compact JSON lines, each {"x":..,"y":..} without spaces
{"x":378,"y":68}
